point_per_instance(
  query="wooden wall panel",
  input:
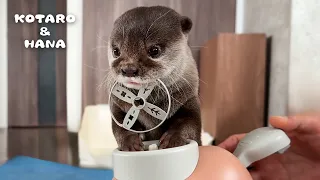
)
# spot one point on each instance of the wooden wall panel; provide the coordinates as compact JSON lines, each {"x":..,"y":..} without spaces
{"x":23,"y":142}
{"x":37,"y":77}
{"x":51,"y":144}
{"x":98,"y":17}
{"x":22,"y":66}
{"x":61,"y":69}
{"x":209,"y":18}
{"x":233,"y":101}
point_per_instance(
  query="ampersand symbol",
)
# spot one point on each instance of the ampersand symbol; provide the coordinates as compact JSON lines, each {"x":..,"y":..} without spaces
{"x":44,"y":31}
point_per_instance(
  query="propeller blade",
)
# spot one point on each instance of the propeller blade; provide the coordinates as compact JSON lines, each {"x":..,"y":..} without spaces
{"x":146,"y":91}
{"x":131,"y":117}
{"x":123,"y":93}
{"x":155,"y":111}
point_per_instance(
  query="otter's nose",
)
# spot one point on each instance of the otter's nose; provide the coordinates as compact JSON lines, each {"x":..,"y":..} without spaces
{"x":130,"y":71}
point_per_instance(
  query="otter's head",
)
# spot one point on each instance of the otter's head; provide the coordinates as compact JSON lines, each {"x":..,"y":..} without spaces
{"x":148,"y":43}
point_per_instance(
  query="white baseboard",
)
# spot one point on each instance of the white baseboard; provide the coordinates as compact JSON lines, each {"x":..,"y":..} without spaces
{"x":74,"y":65}
{"x":87,"y":160}
{"x":3,"y":65}
{"x":3,"y":145}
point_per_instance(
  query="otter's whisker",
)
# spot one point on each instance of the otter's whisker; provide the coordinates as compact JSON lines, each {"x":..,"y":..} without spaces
{"x":198,"y":47}
{"x":104,"y":80}
{"x":164,"y":91}
{"x":95,"y":68}
{"x":155,"y":21}
{"x":98,"y":47}
{"x":175,"y":84}
{"x":123,"y":32}
{"x":203,"y":82}
{"x":99,"y":37}
{"x":179,"y":87}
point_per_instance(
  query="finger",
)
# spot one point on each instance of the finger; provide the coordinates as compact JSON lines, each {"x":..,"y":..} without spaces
{"x":231,"y":142}
{"x":301,"y":123}
{"x":255,"y":175}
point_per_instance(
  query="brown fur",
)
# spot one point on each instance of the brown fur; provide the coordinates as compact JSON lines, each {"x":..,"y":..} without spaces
{"x":176,"y":68}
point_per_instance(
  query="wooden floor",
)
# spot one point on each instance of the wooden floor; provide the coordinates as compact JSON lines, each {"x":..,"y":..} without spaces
{"x":52,"y":144}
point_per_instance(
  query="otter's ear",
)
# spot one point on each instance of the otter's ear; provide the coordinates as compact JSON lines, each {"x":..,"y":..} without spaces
{"x":186,"y":24}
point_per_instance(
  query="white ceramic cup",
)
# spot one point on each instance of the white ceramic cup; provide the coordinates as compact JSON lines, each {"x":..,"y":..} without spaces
{"x":166,"y":164}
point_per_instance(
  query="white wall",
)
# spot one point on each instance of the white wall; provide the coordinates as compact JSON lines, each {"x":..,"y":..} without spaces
{"x":3,"y":66}
{"x":240,"y":16}
{"x":295,"y":67}
{"x":3,"y":82}
{"x":3,"y":145}
{"x":304,"y":77}
{"x":74,"y":66}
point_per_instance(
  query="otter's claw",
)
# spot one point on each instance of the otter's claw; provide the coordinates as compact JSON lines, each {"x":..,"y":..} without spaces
{"x":171,"y":139}
{"x":132,"y":143}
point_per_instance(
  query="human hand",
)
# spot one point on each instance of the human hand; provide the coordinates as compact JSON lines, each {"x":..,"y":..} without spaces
{"x":300,"y":162}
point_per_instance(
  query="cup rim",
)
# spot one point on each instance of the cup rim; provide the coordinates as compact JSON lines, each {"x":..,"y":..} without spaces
{"x":190,"y":145}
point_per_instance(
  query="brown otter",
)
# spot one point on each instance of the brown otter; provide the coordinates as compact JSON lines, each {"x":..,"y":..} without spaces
{"x":149,"y":43}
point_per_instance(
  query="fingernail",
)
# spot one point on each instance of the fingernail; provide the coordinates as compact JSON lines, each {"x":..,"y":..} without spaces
{"x":281,"y":118}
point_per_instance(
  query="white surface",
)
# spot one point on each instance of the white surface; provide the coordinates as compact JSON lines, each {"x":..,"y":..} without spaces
{"x":89,"y":160}
{"x":3,"y":65}
{"x":304,"y":79}
{"x":3,"y":145}
{"x":170,"y":164}
{"x":240,"y":9}
{"x":74,"y":66}
{"x":96,"y":140}
{"x":153,"y":147}
{"x":295,"y":67}
{"x":260,"y":143}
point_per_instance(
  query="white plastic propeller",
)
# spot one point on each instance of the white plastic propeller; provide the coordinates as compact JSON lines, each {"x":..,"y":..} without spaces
{"x":139,"y":103}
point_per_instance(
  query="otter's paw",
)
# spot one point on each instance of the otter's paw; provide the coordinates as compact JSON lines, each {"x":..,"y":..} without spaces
{"x":172,"y":139}
{"x":132,"y":142}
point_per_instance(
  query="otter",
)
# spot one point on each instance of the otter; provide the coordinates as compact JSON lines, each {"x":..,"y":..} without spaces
{"x":146,"y":44}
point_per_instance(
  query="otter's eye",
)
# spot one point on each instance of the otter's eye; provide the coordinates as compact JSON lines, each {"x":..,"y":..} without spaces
{"x":115,"y":52}
{"x":154,"y":51}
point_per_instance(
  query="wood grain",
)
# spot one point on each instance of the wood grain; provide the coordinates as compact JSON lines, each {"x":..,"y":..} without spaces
{"x":51,"y":144}
{"x":234,"y":67}
{"x":22,"y":66}
{"x":209,"y":17}
{"x":24,"y":72}
{"x":23,"y":142}
{"x":97,"y":26}
{"x":208,"y":90}
{"x":61,"y":69}
{"x":62,"y":146}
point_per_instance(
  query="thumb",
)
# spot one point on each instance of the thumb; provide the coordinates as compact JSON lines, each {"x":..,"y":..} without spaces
{"x":302,"y":123}
{"x":231,"y":142}
{"x":255,"y":175}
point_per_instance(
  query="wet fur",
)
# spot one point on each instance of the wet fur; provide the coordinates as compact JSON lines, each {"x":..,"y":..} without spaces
{"x":133,"y":32}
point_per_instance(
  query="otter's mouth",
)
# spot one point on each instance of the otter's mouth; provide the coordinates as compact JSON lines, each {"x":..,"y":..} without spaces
{"x":134,"y":83}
